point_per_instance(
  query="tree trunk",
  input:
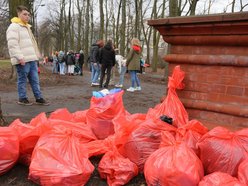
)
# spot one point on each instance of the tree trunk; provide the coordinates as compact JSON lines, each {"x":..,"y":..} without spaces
{"x":173,"y":8}
{"x":107,"y":21}
{"x":155,"y":47}
{"x":136,"y":27}
{"x":242,"y":6}
{"x":193,"y":7}
{"x":70,"y":26}
{"x":117,"y":27}
{"x":173,"y":11}
{"x":123,"y":28}
{"x":233,"y":5}
{"x":87,"y":28}
{"x":66,"y":31}
{"x":61,"y":30}
{"x":79,"y":21}
{"x":101,"y":34}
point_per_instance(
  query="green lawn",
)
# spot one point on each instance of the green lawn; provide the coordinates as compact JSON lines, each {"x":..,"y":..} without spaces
{"x":5,"y":64}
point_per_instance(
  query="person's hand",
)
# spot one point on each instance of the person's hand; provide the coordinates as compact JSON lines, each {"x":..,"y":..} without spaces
{"x":22,"y":62}
{"x":95,"y":64}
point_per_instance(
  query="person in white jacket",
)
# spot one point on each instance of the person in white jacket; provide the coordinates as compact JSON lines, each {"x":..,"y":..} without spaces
{"x":24,"y":54}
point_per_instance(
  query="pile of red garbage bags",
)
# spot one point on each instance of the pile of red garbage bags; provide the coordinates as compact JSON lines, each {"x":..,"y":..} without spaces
{"x":57,"y":148}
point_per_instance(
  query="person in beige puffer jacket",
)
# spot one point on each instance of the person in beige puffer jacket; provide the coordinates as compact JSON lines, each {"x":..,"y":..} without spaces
{"x":24,"y":54}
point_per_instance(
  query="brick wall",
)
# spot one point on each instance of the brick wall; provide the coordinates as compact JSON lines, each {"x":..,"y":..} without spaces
{"x":213,"y":52}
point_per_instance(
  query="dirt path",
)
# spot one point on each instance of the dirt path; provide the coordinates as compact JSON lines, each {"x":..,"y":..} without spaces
{"x":76,"y":97}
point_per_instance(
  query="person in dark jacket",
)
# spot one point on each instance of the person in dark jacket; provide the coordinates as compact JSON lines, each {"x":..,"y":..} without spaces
{"x":94,"y":61}
{"x":70,"y":62}
{"x":81,"y":61}
{"x":107,"y":61}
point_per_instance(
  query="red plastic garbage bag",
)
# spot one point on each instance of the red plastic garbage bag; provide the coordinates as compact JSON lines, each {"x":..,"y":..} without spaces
{"x":116,"y":169}
{"x":219,"y":179}
{"x":64,"y":114}
{"x":61,"y":114}
{"x":144,"y":140}
{"x":173,"y":164}
{"x":243,"y":172}
{"x":99,"y":147}
{"x":9,"y":149}
{"x":81,"y":130}
{"x":124,"y":125}
{"x":223,"y":151}
{"x":29,"y":134}
{"x":191,"y":133}
{"x":60,"y":159}
{"x":172,"y":106}
{"x":79,"y":116}
{"x":102,"y":111}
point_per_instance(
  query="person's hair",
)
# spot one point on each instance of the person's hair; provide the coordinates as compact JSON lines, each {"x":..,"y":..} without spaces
{"x":20,"y":8}
{"x":100,"y":43}
{"x":109,"y":42}
{"x":135,"y":41}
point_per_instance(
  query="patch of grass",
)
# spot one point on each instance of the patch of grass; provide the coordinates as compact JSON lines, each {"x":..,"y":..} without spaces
{"x":4,"y":64}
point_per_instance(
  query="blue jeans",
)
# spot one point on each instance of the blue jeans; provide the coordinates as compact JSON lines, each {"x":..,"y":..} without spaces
{"x":55,"y":67}
{"x":30,"y":71}
{"x":62,"y":68}
{"x":95,"y":72}
{"x":122,"y":74}
{"x":134,"y":78}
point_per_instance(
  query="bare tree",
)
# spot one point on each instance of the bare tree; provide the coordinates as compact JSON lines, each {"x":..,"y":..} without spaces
{"x":137,"y":16}
{"x":180,"y":6}
{"x":101,"y":35}
{"x":173,"y":8}
{"x":73,"y":23}
{"x":123,"y":27}
{"x":243,"y":5}
{"x":210,"y":4}
{"x":4,"y":22}
{"x":109,"y":26}
{"x":193,"y":4}
{"x":233,"y":5}
{"x":61,"y":28}
{"x":87,"y":27}
{"x":156,"y":35}
{"x":79,"y":24}
{"x":117,"y":24}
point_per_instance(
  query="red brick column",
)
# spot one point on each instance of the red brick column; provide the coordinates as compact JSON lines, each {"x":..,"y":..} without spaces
{"x":213,"y":52}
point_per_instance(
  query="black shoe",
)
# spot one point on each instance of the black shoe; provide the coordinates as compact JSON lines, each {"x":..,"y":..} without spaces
{"x":24,"y":101}
{"x":41,"y":101}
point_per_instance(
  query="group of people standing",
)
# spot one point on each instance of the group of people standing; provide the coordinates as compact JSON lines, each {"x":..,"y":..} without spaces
{"x":103,"y":59}
{"x":24,"y":54}
{"x":68,"y":63}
